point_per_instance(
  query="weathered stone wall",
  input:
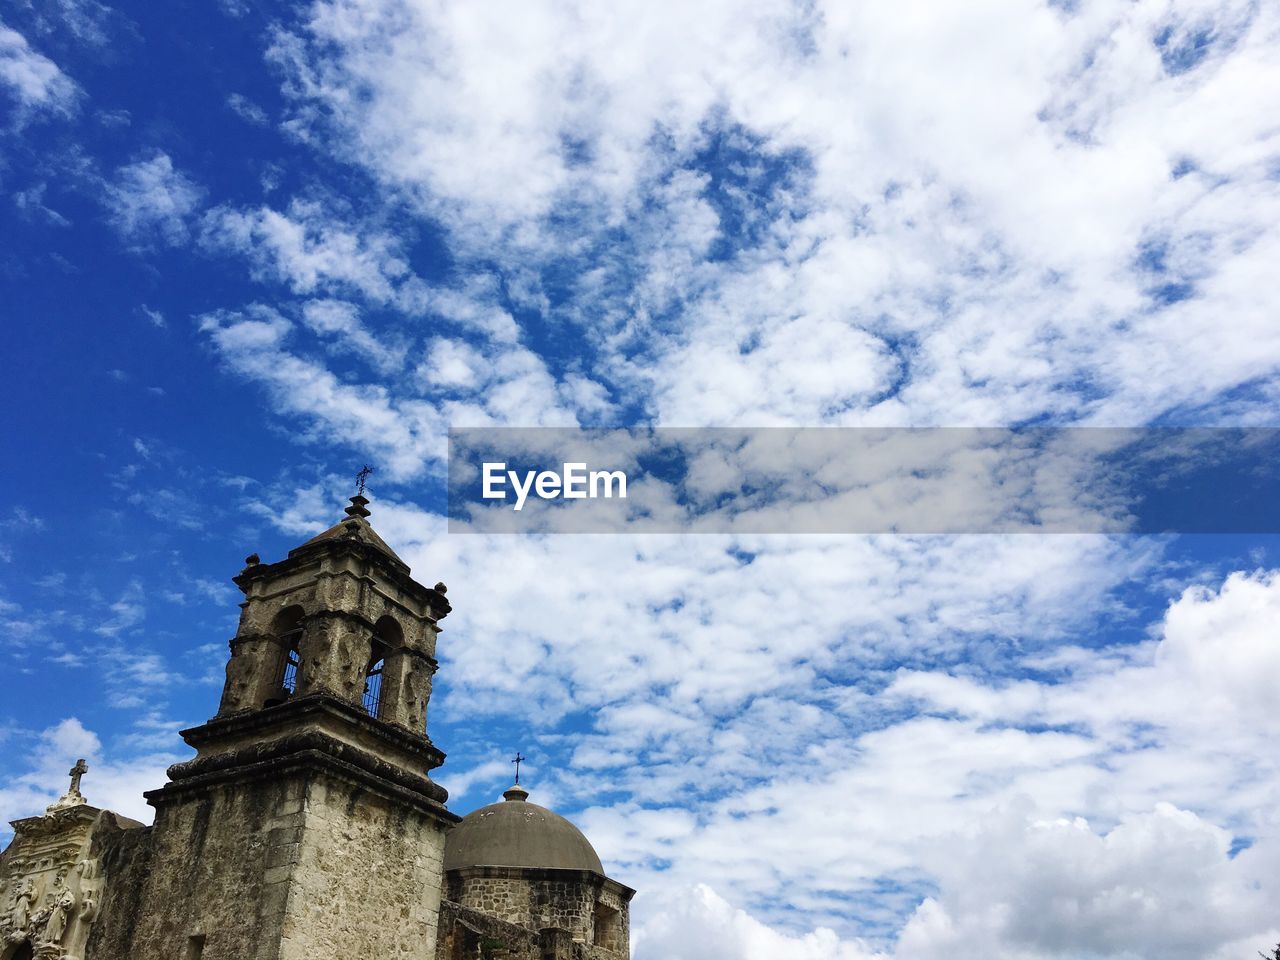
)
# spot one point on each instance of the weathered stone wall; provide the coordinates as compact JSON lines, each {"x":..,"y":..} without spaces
{"x":125,"y":858}
{"x":467,"y":934}
{"x":574,"y":901}
{"x":210,"y":875}
{"x":287,"y":867}
{"x":366,"y":877}
{"x":612,"y":922}
{"x":503,"y":896}
{"x":565,"y":904}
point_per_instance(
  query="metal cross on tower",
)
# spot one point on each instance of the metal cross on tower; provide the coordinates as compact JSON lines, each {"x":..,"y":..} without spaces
{"x":517,"y":761}
{"x":361,"y":477}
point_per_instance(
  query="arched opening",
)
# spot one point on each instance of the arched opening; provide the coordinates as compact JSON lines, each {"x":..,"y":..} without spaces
{"x":387,"y":637}
{"x":287,"y":629}
{"x":22,"y":952}
{"x":373,"y":686}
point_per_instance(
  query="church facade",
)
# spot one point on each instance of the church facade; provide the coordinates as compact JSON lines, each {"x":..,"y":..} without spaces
{"x":307,"y":826}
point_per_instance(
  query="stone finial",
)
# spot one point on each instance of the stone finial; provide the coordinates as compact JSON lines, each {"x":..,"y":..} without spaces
{"x":440,"y":587}
{"x":515,"y":792}
{"x":252,"y":560}
{"x":358,"y":506}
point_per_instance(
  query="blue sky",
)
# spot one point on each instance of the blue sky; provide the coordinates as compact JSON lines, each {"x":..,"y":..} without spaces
{"x":245,"y":253}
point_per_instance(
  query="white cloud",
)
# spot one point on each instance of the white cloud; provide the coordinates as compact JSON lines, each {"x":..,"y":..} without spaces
{"x":151,"y":202}
{"x":340,"y":322}
{"x":33,"y":79}
{"x":1160,"y":884}
{"x":405,"y":433}
{"x":113,"y":782}
{"x":951,"y":232}
{"x":31,"y":203}
{"x":125,"y":613}
{"x":698,"y":924}
{"x":452,"y":364}
{"x":307,"y":249}
{"x":87,"y":21}
{"x":247,"y":110}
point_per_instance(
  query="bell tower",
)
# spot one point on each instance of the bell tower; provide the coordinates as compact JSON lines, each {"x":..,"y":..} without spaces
{"x":306,"y":825}
{"x":321,"y":620}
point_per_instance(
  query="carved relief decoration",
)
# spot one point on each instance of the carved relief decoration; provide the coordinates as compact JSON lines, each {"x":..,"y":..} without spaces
{"x":49,"y":886}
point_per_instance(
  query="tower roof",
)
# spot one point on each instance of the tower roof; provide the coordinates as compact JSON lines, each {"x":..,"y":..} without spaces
{"x":355,"y":527}
{"x":516,"y":833}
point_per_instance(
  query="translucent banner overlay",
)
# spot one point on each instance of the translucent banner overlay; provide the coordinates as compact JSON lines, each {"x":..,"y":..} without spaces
{"x":865,"y":480}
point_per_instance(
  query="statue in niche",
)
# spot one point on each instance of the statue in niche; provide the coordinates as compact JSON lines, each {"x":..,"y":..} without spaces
{"x":57,"y":925}
{"x":21,"y":914}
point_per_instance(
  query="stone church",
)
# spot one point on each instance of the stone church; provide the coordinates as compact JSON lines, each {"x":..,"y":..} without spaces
{"x":307,"y":826}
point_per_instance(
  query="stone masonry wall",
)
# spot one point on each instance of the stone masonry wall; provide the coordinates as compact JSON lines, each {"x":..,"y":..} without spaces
{"x":531,"y":902}
{"x":468,"y":934}
{"x":125,"y":857}
{"x":288,"y":867}
{"x":615,"y":939}
{"x":366,"y":876}
{"x":213,"y":874}
{"x":564,"y":904}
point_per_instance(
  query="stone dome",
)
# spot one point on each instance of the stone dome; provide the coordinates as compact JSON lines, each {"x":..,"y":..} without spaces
{"x":516,"y":833}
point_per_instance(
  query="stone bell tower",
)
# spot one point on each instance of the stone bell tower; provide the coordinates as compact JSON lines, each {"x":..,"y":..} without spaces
{"x":306,"y":826}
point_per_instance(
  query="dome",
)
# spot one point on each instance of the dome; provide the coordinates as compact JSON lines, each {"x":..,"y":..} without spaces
{"x":516,"y":833}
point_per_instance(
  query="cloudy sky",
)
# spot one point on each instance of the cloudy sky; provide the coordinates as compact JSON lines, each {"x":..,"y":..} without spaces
{"x":246,"y":250}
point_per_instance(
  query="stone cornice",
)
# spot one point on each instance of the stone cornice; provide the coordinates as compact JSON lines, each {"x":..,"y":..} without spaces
{"x":306,"y":753}
{"x":306,"y":748}
{"x":265,"y":722}
{"x":392,"y":570}
{"x":57,"y":820}
{"x":545,"y":873}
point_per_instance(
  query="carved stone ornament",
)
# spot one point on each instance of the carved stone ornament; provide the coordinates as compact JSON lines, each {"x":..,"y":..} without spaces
{"x":49,"y":888}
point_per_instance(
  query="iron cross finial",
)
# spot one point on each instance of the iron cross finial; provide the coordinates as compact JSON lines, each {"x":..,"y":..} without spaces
{"x":76,"y":772}
{"x":361,"y":477}
{"x":517,"y":761}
